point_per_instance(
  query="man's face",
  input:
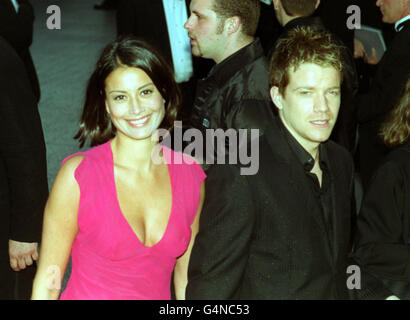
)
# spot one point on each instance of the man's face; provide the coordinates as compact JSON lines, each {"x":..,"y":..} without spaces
{"x":392,"y":10}
{"x":205,"y":30}
{"x":310,"y":103}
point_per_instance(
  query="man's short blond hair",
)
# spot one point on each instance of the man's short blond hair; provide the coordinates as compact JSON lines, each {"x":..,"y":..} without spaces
{"x":303,"y":45}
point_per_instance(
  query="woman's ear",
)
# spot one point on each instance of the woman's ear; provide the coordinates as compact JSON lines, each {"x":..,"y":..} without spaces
{"x":107,"y":108}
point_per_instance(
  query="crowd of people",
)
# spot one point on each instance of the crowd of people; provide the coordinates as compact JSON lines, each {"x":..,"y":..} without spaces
{"x":136,"y":228}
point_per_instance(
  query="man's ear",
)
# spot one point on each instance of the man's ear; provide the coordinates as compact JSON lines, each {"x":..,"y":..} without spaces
{"x":276,"y":97}
{"x":317,"y":4}
{"x":232,"y":24}
{"x":276,"y":4}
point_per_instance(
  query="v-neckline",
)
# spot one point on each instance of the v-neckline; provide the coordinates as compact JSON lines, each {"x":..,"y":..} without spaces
{"x":115,"y":194}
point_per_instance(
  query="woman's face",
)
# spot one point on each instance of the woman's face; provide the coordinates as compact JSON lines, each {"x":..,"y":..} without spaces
{"x":134,"y":103}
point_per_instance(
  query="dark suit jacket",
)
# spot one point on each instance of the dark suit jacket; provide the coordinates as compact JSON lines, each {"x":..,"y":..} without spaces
{"x":23,"y":172}
{"x":388,"y":83}
{"x":264,"y":236}
{"x":17,"y":29}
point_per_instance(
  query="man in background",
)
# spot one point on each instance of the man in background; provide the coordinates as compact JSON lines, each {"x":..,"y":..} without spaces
{"x":16,"y":27}
{"x":23,"y":177}
{"x":234,"y":94}
{"x":388,"y":82}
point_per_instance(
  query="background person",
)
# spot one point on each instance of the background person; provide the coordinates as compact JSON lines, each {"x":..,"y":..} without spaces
{"x":23,"y":177}
{"x":382,"y":242}
{"x":390,"y":77}
{"x":16,"y":27}
{"x":234,"y":94}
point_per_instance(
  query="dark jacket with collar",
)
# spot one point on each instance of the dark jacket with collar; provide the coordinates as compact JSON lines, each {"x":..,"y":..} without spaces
{"x":235,"y":94}
{"x":264,"y":236}
{"x":17,"y":29}
{"x":373,"y":107}
{"x":344,"y":131}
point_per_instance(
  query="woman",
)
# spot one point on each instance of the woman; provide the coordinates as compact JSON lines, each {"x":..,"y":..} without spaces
{"x":383,"y":243}
{"x":126,"y":219}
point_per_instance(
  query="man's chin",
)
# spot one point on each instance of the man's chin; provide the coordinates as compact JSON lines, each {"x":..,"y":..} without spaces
{"x":386,"y":19}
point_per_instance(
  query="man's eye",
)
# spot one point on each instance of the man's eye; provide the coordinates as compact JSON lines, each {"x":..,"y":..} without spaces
{"x":334,"y":92}
{"x":305,"y":93}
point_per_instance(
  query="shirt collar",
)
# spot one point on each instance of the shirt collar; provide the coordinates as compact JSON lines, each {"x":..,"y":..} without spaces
{"x":304,"y":157}
{"x":399,"y":24}
{"x":224,"y":70}
{"x":15,"y":5}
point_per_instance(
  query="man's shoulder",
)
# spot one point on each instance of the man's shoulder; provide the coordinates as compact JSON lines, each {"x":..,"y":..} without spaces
{"x":251,"y":80}
{"x":247,"y":64}
{"x":256,"y":68}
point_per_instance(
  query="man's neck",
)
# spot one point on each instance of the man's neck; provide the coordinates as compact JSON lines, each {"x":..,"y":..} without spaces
{"x":234,"y":46}
{"x":288,"y":19}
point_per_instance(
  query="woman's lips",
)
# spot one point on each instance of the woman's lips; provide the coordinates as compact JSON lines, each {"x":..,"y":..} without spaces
{"x":139,"y":122}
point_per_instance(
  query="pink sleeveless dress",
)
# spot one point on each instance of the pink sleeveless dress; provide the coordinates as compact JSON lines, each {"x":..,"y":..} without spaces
{"x":108,"y":259}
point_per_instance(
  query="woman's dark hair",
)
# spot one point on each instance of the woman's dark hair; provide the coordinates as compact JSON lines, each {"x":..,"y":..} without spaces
{"x":127,"y":51}
{"x":396,"y":130}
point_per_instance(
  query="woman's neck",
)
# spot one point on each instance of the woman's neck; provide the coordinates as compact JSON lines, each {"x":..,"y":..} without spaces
{"x":132,"y":153}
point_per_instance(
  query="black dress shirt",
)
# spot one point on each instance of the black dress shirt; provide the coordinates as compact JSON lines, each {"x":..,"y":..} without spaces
{"x":322,"y":193}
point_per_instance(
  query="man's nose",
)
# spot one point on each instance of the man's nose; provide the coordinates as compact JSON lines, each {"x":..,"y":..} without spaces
{"x":188,"y":24}
{"x":321,"y":103}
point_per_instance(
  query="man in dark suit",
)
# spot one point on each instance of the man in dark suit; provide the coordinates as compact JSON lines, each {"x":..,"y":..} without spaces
{"x":16,"y":26}
{"x":23,"y":177}
{"x":389,"y":80}
{"x":284,"y":233}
